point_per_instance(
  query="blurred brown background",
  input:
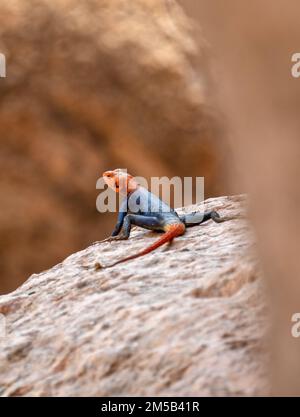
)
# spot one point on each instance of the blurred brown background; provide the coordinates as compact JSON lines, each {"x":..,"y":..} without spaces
{"x":253,"y":43}
{"x":91,"y":86}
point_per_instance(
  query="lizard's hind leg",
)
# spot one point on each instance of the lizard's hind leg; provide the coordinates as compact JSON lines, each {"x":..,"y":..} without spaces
{"x":197,"y":217}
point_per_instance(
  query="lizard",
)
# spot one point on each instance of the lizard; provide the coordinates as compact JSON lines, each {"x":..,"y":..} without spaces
{"x":140,"y":207}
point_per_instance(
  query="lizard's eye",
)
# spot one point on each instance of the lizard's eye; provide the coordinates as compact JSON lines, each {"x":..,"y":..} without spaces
{"x":107,"y":174}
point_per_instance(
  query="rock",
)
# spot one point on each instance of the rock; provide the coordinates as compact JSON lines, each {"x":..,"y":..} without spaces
{"x":187,"y":319}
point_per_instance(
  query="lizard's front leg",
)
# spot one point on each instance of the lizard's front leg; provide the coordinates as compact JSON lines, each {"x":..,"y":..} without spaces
{"x":147,"y":222}
{"x":122,"y":229}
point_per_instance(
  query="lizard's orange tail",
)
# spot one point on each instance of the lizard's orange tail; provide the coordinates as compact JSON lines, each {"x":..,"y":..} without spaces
{"x":173,"y":230}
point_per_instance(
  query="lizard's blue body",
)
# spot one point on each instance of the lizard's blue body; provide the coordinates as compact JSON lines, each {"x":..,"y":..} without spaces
{"x":142,"y":208}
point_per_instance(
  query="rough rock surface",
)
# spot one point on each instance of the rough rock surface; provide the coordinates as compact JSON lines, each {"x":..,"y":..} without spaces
{"x":188,"y":319}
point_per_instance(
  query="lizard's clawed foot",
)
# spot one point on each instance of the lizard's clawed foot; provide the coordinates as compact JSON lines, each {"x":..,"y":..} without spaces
{"x":100,"y":241}
{"x":120,"y":237}
{"x":110,"y":239}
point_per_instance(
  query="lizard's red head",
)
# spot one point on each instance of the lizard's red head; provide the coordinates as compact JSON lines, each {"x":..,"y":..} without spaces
{"x":120,"y":181}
